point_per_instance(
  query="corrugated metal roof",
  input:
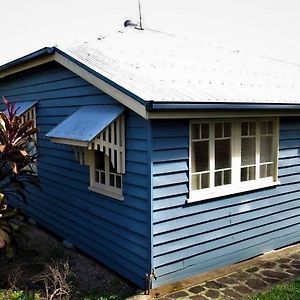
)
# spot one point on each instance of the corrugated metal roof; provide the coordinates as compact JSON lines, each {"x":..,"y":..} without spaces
{"x":164,"y":68}
{"x":86,"y":123}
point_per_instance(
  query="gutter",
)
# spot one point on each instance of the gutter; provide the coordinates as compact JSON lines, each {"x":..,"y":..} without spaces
{"x":152,"y":106}
{"x":37,"y":54}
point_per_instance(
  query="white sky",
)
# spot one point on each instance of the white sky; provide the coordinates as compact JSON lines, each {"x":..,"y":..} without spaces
{"x":268,"y":27}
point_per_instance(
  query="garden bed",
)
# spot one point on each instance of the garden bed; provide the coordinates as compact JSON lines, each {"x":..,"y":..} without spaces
{"x":41,"y":251}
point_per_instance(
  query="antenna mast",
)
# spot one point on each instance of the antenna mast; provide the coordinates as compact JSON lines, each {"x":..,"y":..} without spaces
{"x":138,"y":25}
{"x":140,"y":15}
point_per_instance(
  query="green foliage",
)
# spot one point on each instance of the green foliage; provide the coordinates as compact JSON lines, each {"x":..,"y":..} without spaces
{"x":289,"y":291}
{"x":15,"y":170}
{"x":16,"y":295}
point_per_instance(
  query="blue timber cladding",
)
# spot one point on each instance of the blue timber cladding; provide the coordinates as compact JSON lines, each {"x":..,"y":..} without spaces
{"x":197,"y":237}
{"x":114,"y":232}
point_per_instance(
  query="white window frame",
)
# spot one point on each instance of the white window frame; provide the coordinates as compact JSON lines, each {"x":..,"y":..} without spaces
{"x":105,"y":189}
{"x":111,"y":142}
{"x":236,"y":186}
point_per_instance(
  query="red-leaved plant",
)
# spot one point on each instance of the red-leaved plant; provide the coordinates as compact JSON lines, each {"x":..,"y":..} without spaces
{"x":15,"y":168}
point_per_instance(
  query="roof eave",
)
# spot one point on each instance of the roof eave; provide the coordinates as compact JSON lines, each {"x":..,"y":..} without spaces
{"x":26,"y":58}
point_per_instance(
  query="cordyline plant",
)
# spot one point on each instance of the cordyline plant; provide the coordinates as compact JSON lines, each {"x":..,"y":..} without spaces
{"x":15,"y":169}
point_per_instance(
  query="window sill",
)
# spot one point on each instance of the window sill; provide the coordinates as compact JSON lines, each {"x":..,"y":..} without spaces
{"x":106,"y":193}
{"x":229,"y":190}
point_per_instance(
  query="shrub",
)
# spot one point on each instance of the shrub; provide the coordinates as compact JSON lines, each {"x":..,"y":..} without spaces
{"x":15,"y":169}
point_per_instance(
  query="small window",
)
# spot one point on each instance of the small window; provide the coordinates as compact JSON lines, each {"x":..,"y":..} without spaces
{"x":104,"y":174}
{"x":232,"y":156}
{"x":107,"y":162}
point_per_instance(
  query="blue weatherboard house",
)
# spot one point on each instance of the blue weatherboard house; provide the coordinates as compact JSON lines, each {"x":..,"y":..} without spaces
{"x":162,"y":155}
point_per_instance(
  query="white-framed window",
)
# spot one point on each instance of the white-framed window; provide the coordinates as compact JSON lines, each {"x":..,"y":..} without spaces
{"x":104,"y":176}
{"x":106,"y":158}
{"x":231,"y":156}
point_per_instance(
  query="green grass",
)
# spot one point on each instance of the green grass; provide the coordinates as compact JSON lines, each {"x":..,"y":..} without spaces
{"x":289,"y":291}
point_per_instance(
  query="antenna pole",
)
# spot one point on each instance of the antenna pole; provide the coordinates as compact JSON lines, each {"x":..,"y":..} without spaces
{"x":140,"y":14}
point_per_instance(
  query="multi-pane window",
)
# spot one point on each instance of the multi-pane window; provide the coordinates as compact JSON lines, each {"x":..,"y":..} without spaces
{"x":105,"y":174}
{"x":230,"y":156}
{"x":108,"y":160}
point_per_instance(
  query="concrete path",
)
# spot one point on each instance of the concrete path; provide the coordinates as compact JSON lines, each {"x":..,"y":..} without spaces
{"x":249,"y":278}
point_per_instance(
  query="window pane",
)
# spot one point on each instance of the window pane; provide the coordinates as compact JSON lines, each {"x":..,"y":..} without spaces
{"x":227,"y":177}
{"x":252,"y":171}
{"x":218,"y":178}
{"x":248,"y":151}
{"x":244,"y":174}
{"x":252,"y":128}
{"x":204,"y":180}
{"x":270,"y":170}
{"x":111,"y":168}
{"x":204,"y":130}
{"x":222,"y":177}
{"x":102,"y":176}
{"x":111,"y":180}
{"x":227,"y":129}
{"x":200,"y":181}
{"x":245,"y":128}
{"x":195,"y":131}
{"x":248,"y":128}
{"x":218,"y":130}
{"x":96,"y":176}
{"x":263,"y":171}
{"x":270,"y":127}
{"x":195,"y":182}
{"x":200,"y":156}
{"x":99,"y":160}
{"x":222,"y":154}
{"x":200,"y":131}
{"x":118,"y":181}
{"x":263,"y":127}
{"x":248,"y":173}
{"x":266,"y":146}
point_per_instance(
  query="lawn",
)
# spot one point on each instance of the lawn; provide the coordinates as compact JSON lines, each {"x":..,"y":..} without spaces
{"x":289,"y":291}
{"x":43,"y":261}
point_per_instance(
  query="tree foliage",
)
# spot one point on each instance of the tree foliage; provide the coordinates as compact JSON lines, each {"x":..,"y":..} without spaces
{"x":15,"y":168}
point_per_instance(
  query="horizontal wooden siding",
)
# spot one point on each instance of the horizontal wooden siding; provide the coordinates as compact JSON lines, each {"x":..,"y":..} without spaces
{"x":114,"y":232}
{"x":197,"y":237}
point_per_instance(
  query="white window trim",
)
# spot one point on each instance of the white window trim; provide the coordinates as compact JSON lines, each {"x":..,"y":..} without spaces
{"x":104,"y":189}
{"x":111,"y":141}
{"x":230,"y":189}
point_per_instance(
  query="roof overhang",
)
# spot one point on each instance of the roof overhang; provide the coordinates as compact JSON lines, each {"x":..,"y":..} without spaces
{"x":147,"y":109}
{"x":49,"y":54}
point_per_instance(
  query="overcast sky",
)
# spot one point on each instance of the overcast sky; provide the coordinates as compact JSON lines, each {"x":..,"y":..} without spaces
{"x":267,"y":27}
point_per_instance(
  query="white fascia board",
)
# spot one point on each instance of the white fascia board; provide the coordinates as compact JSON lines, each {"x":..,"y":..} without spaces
{"x":69,"y":142}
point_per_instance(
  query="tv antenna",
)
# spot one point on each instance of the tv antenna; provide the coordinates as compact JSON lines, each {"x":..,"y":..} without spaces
{"x":139,"y":26}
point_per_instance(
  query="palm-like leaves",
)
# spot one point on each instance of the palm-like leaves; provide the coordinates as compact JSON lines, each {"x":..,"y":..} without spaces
{"x":15,"y":162}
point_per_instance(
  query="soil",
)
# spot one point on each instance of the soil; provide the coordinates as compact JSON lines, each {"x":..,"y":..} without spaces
{"x":89,"y":280}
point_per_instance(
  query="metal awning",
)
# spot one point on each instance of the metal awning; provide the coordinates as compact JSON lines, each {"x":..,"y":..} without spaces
{"x":85,"y":124}
{"x":22,"y":107}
